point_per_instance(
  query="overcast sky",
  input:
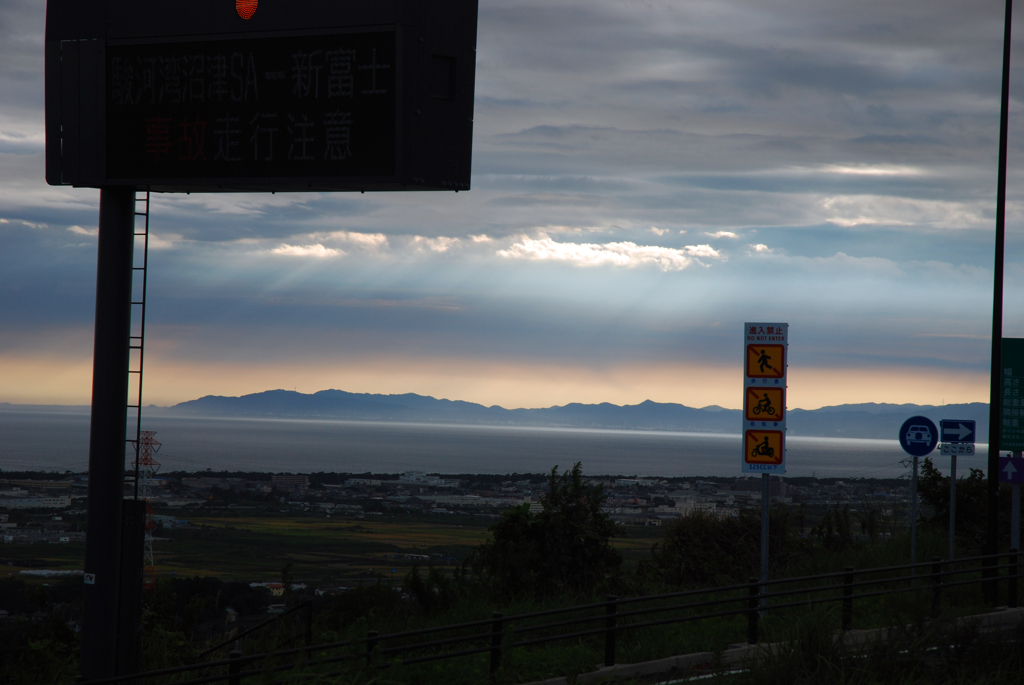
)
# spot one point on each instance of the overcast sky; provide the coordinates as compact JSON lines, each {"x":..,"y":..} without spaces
{"x":646,"y":177}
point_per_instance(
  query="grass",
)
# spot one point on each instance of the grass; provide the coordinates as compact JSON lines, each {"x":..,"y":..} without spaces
{"x":251,"y":547}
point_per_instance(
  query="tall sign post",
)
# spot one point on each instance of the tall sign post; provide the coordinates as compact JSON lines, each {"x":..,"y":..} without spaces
{"x":765,"y":361}
{"x":995,"y":386}
{"x":958,"y":436}
{"x":918,"y":437}
{"x":228,"y":96}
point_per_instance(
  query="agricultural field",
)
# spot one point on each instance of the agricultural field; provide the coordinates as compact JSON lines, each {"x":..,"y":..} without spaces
{"x":324,"y":552}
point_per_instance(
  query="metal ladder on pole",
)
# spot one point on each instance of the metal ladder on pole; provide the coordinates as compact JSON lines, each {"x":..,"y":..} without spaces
{"x":137,"y":342}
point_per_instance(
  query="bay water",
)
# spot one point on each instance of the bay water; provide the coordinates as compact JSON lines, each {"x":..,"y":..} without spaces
{"x":48,"y":441}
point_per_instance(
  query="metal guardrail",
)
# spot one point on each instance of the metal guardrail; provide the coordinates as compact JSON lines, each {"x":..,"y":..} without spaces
{"x":499,"y":633}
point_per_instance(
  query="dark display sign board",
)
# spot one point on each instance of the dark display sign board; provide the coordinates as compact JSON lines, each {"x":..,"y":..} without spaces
{"x":303,"y":95}
{"x":1011,"y":420}
{"x":313,"y":106}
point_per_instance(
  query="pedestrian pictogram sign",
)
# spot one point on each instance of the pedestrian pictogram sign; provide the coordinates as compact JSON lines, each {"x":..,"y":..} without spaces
{"x":765,"y":352}
{"x":764,"y":406}
{"x":766,"y":361}
{"x":763,"y":448}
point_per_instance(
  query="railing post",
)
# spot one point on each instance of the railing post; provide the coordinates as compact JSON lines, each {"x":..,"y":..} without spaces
{"x":936,"y":585}
{"x":609,"y":635}
{"x":497,"y":634}
{"x":752,"y":613}
{"x":1011,"y":600}
{"x":848,"y":598}
{"x":309,"y":628}
{"x":234,"y":667}
{"x":371,"y":642}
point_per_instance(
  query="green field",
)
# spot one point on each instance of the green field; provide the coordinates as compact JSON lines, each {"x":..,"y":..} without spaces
{"x":329,"y":551}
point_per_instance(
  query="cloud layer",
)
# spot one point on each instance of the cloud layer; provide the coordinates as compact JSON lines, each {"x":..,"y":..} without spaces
{"x":646,"y":178}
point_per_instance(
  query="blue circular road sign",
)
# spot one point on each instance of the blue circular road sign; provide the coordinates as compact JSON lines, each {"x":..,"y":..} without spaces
{"x":918,"y":436}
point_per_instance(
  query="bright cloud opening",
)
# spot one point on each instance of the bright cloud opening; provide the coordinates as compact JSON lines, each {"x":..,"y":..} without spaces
{"x":438,"y":244}
{"x":366,"y":241}
{"x":316,"y":250}
{"x":627,"y":254}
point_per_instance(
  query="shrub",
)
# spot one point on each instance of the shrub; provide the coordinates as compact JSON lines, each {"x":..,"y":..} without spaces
{"x":703,"y":548}
{"x":564,"y":550}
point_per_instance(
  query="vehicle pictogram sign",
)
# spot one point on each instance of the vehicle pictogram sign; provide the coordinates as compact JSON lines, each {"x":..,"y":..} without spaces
{"x":764,"y":405}
{"x":766,"y":361}
{"x":763,"y":447}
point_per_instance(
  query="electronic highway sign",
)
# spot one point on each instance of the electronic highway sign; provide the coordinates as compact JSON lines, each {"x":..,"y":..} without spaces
{"x":275,"y":95}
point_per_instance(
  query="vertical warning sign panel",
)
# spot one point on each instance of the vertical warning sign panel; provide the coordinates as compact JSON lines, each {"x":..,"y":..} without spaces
{"x":765,"y":361}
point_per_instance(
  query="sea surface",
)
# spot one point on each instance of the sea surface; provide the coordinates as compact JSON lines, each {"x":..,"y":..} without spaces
{"x":60,"y":441}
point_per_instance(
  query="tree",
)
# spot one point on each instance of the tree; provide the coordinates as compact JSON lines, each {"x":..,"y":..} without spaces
{"x":702,"y":548}
{"x":971,"y":499}
{"x":565,"y":549}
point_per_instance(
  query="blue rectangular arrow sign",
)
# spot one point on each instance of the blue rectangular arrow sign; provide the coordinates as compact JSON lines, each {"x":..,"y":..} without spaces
{"x":1011,"y":469}
{"x":956,"y":430}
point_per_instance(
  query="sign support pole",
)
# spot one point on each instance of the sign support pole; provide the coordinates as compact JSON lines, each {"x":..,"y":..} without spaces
{"x":764,"y":536}
{"x":913,"y":519}
{"x":952,"y":504}
{"x":1015,"y":513}
{"x":107,"y":433}
{"x":995,"y":403}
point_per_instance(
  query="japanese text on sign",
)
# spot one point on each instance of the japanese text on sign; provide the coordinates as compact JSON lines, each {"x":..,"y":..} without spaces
{"x":272,"y":107}
{"x":1011,"y":428}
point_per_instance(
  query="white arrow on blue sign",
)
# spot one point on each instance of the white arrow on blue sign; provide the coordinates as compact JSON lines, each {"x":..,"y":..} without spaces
{"x":957,"y":430}
{"x":1011,"y":469}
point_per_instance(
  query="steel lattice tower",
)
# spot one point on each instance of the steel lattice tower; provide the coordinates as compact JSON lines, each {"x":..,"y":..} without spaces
{"x":146,"y":468}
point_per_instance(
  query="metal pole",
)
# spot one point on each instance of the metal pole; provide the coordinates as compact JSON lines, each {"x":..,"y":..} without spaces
{"x":764,"y":537}
{"x":1015,"y":516}
{"x":107,"y":433}
{"x":913,"y":519}
{"x":994,"y":405}
{"x":952,"y":504}
{"x":1015,"y":513}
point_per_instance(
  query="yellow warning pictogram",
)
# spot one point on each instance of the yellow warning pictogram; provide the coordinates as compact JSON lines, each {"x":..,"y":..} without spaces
{"x":764,"y":404}
{"x":766,"y":361}
{"x":762,"y":447}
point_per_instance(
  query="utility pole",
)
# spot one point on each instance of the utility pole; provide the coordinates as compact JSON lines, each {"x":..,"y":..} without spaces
{"x":995,"y":399}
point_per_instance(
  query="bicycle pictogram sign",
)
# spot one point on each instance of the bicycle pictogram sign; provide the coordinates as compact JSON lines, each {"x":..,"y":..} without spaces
{"x":764,"y":404}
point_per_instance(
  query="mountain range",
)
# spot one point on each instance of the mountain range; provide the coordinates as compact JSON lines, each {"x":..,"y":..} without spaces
{"x":868,"y":420}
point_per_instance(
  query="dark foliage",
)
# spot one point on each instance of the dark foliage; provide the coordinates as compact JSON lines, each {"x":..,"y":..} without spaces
{"x":435,"y":592}
{"x":183,"y":603}
{"x":835,"y":531}
{"x":971,"y":497}
{"x":564,"y":550}
{"x":374,"y":604}
{"x":702,"y":549}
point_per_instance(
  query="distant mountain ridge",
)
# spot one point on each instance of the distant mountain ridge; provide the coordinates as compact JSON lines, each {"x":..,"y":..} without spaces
{"x":867,"y":420}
